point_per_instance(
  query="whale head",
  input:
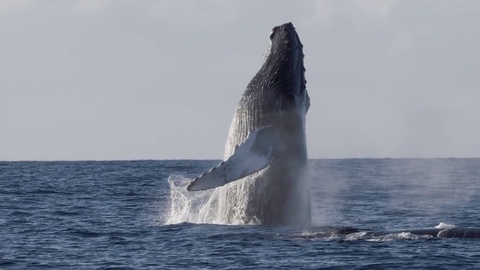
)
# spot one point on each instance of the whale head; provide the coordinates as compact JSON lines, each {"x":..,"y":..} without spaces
{"x":283,"y":72}
{"x":276,"y":96}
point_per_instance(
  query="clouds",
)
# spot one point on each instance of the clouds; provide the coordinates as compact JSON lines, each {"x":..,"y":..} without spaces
{"x":161,"y":79}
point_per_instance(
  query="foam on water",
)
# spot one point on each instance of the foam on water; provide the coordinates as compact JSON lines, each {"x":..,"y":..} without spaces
{"x":442,"y":225}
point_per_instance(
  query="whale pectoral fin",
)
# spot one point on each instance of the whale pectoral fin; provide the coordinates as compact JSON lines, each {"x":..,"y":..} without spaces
{"x":249,"y":157}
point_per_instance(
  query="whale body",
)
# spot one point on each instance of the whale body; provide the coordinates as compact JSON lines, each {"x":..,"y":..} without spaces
{"x":263,"y":179}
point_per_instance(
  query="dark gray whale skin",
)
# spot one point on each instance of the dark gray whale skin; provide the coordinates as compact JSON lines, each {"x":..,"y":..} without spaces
{"x":276,"y":97}
{"x":454,"y":232}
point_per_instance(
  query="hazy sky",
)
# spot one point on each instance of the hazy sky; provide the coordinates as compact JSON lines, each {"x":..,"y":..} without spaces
{"x":161,"y":79}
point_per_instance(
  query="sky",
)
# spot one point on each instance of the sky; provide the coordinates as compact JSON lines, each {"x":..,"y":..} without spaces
{"x":119,"y":80}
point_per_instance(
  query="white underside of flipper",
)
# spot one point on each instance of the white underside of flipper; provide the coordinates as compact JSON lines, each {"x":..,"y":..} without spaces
{"x":249,"y":157}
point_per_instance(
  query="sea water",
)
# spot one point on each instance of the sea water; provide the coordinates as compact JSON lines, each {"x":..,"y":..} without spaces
{"x":119,"y":215}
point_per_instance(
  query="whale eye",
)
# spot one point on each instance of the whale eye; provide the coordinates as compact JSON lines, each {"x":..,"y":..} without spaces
{"x":291,"y":97}
{"x":288,"y":102}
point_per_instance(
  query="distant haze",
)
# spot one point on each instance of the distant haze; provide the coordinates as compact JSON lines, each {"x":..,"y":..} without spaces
{"x":89,"y":80}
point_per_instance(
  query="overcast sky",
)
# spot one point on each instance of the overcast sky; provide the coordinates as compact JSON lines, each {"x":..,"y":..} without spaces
{"x":119,"y":79}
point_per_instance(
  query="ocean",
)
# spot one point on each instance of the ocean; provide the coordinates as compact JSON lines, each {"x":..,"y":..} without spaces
{"x":119,"y":215}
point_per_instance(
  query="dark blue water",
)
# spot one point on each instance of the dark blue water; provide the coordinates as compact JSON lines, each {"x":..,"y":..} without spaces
{"x":111,"y":215}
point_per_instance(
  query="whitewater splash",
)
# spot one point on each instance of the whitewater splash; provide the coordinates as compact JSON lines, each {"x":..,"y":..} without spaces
{"x":208,"y":206}
{"x":185,"y":206}
{"x":265,"y":153}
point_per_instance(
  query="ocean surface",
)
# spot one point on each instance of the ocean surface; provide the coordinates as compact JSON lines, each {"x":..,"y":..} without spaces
{"x":118,"y":215}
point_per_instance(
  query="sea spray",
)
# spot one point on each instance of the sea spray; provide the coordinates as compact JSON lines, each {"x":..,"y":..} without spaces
{"x":185,"y":206}
{"x":217,"y":206}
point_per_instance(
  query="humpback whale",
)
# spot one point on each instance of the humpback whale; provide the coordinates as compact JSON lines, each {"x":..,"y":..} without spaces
{"x":263,"y":179}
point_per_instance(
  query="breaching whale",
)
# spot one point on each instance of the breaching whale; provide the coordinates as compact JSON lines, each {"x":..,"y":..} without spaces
{"x":263,"y":179}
